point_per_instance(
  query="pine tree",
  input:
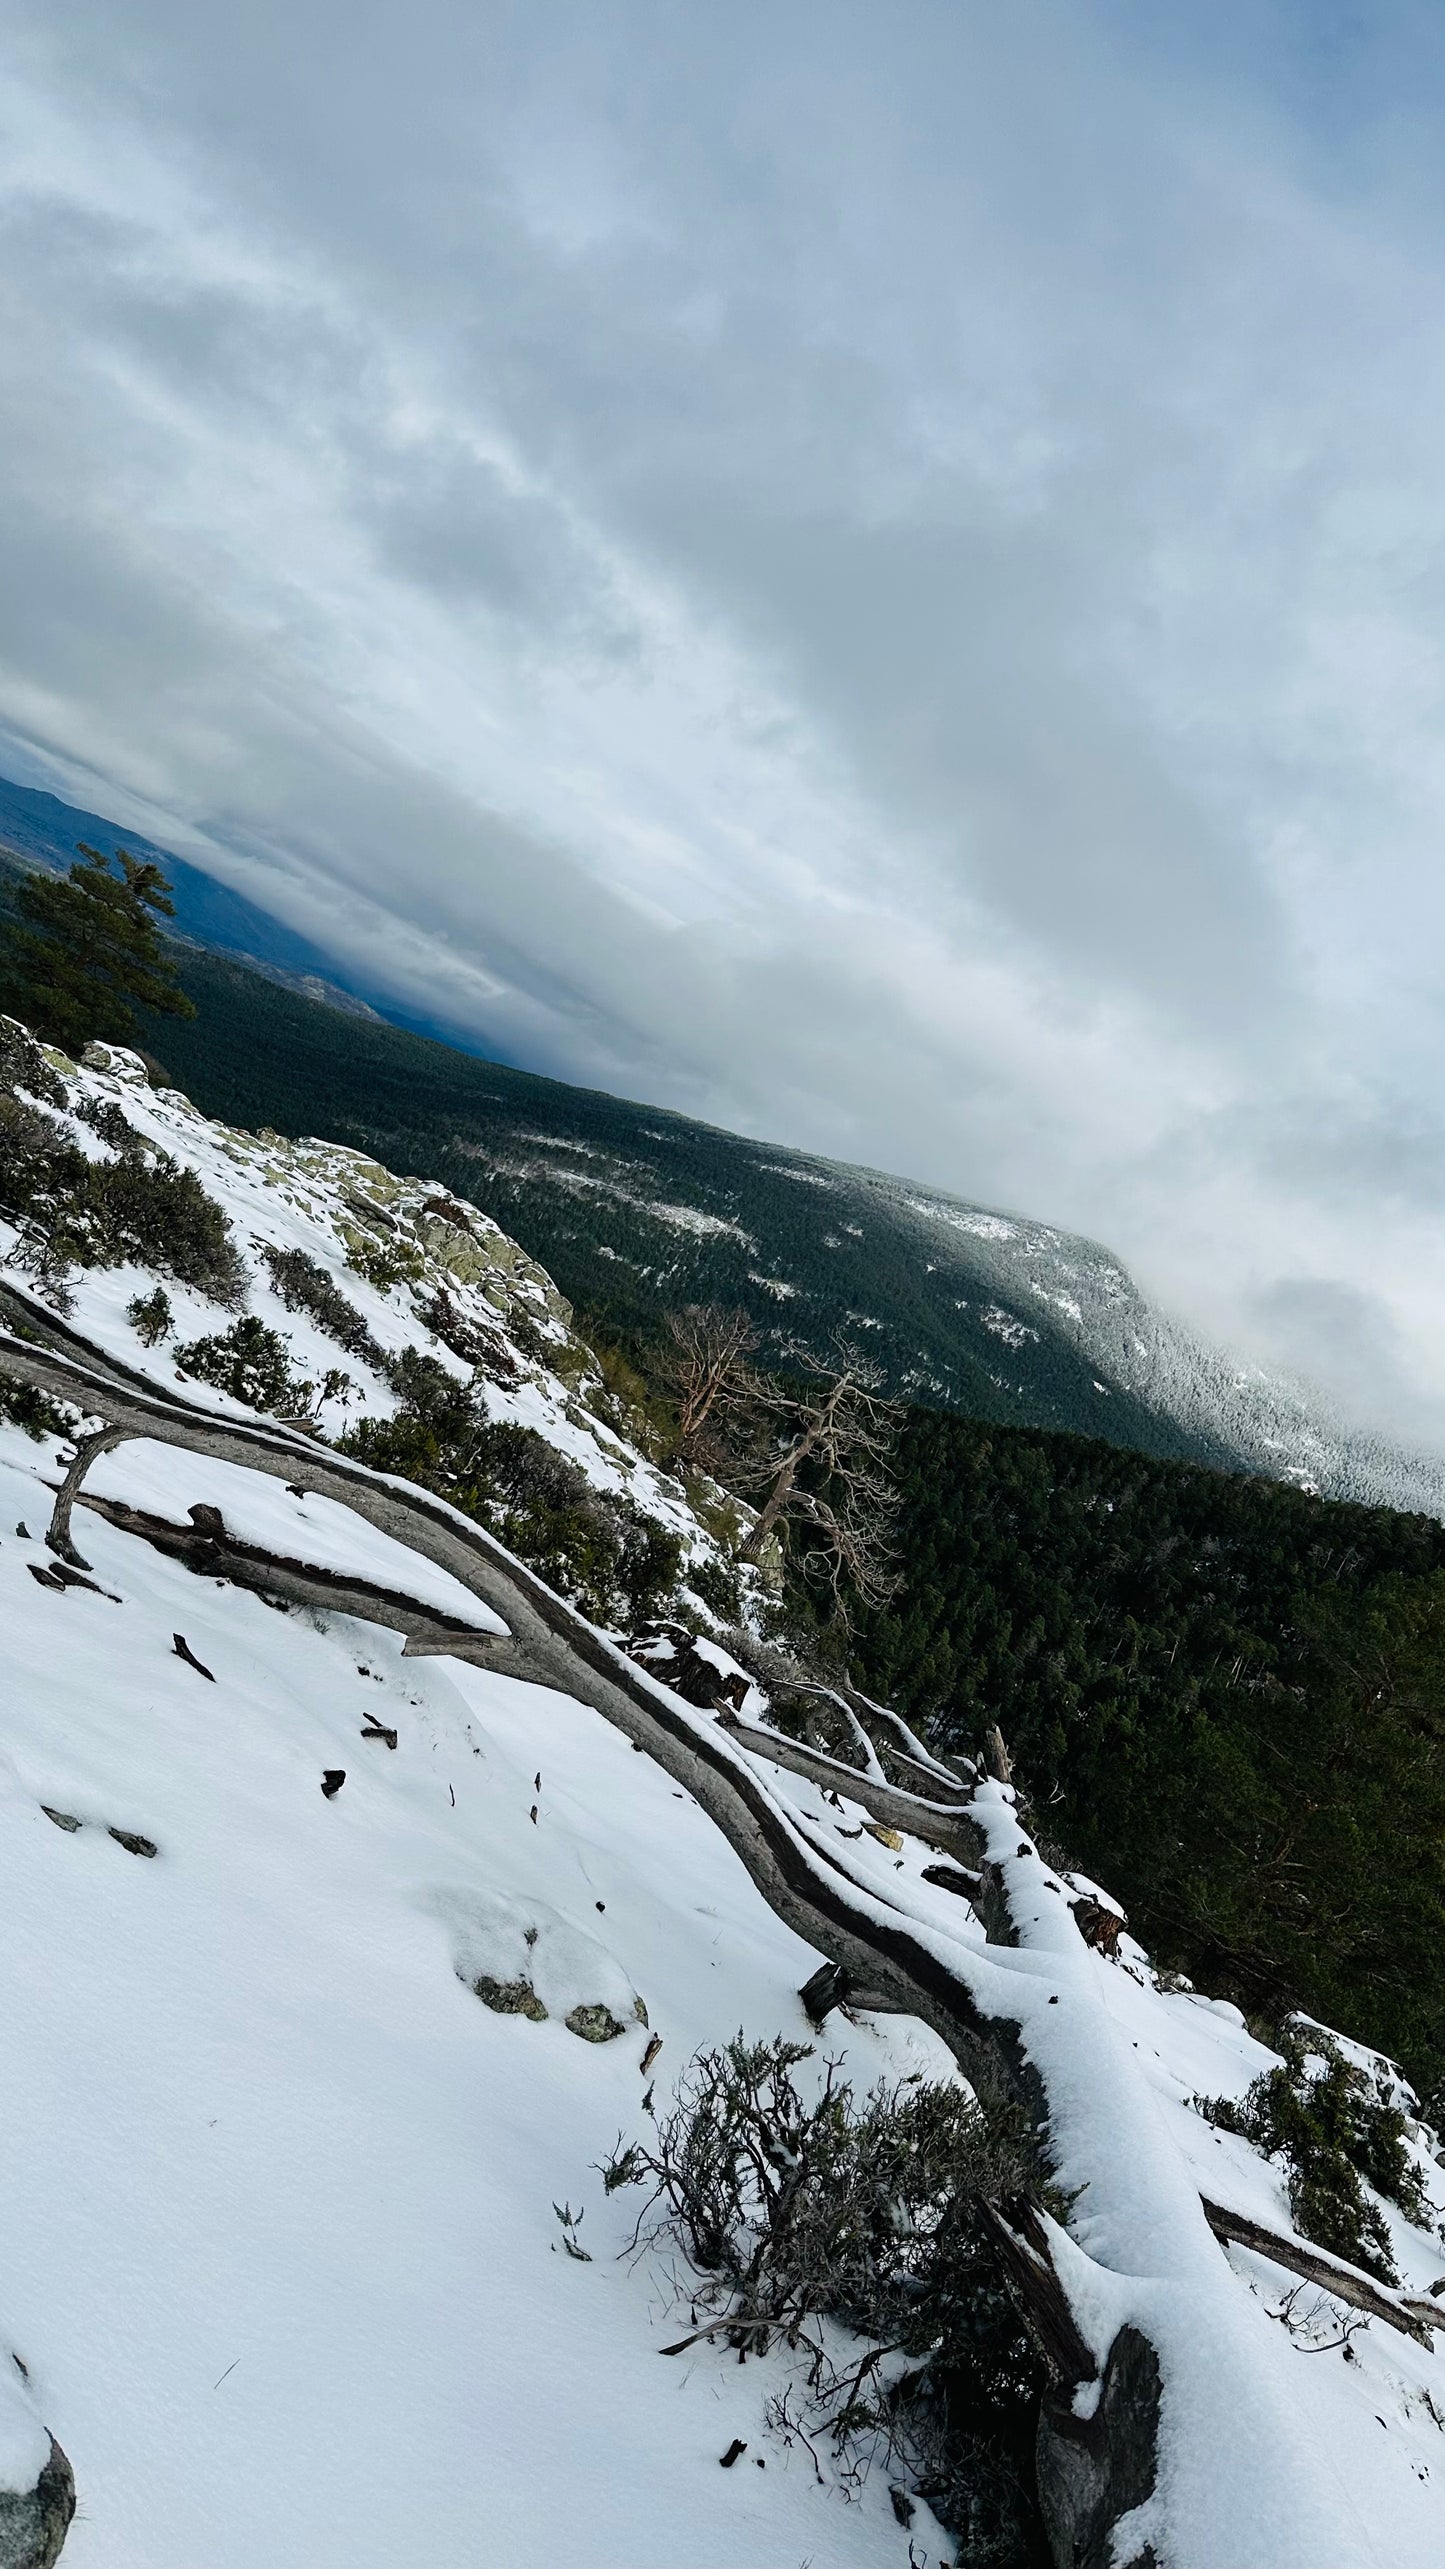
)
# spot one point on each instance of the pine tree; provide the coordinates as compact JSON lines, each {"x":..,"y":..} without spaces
{"x":89,"y":949}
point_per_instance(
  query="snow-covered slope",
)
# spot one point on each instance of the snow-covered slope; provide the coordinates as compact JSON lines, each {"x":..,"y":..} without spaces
{"x":410,"y":1260}
{"x":277,"y":2239}
{"x":280,"y":2248}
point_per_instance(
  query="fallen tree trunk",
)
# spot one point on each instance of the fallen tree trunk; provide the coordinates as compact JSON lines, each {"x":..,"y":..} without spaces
{"x":987,"y":2005}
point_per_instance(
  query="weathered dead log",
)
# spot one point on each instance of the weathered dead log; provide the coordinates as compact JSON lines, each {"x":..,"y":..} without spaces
{"x":944,"y":1825}
{"x":207,"y":1547}
{"x":1347,"y":2283}
{"x":831,"y":1986}
{"x":58,"y":1537}
{"x":1094,"y":2470}
{"x":872,"y":1948}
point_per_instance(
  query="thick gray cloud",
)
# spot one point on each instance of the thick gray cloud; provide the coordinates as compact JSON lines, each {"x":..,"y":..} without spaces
{"x":877,"y":575}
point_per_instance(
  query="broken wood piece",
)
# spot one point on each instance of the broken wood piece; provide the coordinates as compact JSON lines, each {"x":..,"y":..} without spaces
{"x":713,"y":2328}
{"x":654,"y":2046}
{"x":891,"y":1838}
{"x":378,"y":1730}
{"x":831,"y":1986}
{"x":62,"y":1819}
{"x":332,"y":1781}
{"x":824,"y":1991}
{"x":1000,"y":1764}
{"x":58,"y":1575}
{"x":184,"y":1651}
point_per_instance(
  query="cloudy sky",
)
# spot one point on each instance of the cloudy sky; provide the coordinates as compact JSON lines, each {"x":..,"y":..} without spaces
{"x":874,"y":573}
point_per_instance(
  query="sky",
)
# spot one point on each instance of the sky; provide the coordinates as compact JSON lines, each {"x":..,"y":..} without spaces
{"x":874,"y":574}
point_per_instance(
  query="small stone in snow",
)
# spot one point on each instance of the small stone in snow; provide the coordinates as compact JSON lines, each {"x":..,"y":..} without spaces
{"x":332,"y":1781}
{"x":24,"y":1533}
{"x":595,"y":2023}
{"x":62,"y":1819}
{"x":132,"y":1844}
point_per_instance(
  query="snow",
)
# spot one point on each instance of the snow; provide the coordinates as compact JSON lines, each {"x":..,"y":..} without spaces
{"x":304,"y":1195}
{"x":312,"y":1529}
{"x":24,"y":2440}
{"x":1307,"y":2486}
{"x":277,"y":2238}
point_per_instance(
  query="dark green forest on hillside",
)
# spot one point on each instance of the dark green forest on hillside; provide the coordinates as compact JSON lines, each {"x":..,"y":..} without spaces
{"x":1226,"y":1700}
{"x":1226,"y":1697}
{"x":634,"y":1210}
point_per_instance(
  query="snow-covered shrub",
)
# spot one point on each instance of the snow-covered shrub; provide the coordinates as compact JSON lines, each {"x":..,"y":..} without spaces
{"x":618,"y":1564}
{"x":112,"y":1124}
{"x":23,"y":1064}
{"x":385,"y":1263}
{"x":149,"y":1315}
{"x":105,"y":1213}
{"x":304,"y":1285}
{"x":720,"y":1588}
{"x":486,"y":1349}
{"x":26,"y":1406}
{"x":807,"y":2215}
{"x":250,"y":1362}
{"x":1321,"y":2114}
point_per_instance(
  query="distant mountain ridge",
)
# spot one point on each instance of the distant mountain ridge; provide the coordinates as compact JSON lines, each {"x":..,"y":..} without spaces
{"x":636,"y":1210}
{"x":39,"y":829}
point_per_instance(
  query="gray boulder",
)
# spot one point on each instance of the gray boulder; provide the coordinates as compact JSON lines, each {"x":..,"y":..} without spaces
{"x":34,"y":2522}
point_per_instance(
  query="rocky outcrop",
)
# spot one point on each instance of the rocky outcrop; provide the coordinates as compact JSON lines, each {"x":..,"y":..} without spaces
{"x":34,"y":2522}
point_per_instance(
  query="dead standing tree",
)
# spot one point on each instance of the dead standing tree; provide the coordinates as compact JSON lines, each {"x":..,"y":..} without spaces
{"x":828,"y":1475}
{"x":705,"y":1366}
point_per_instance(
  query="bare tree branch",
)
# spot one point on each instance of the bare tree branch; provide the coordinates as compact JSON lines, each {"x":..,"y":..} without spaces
{"x":828,"y":1475}
{"x":705,"y":1366}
